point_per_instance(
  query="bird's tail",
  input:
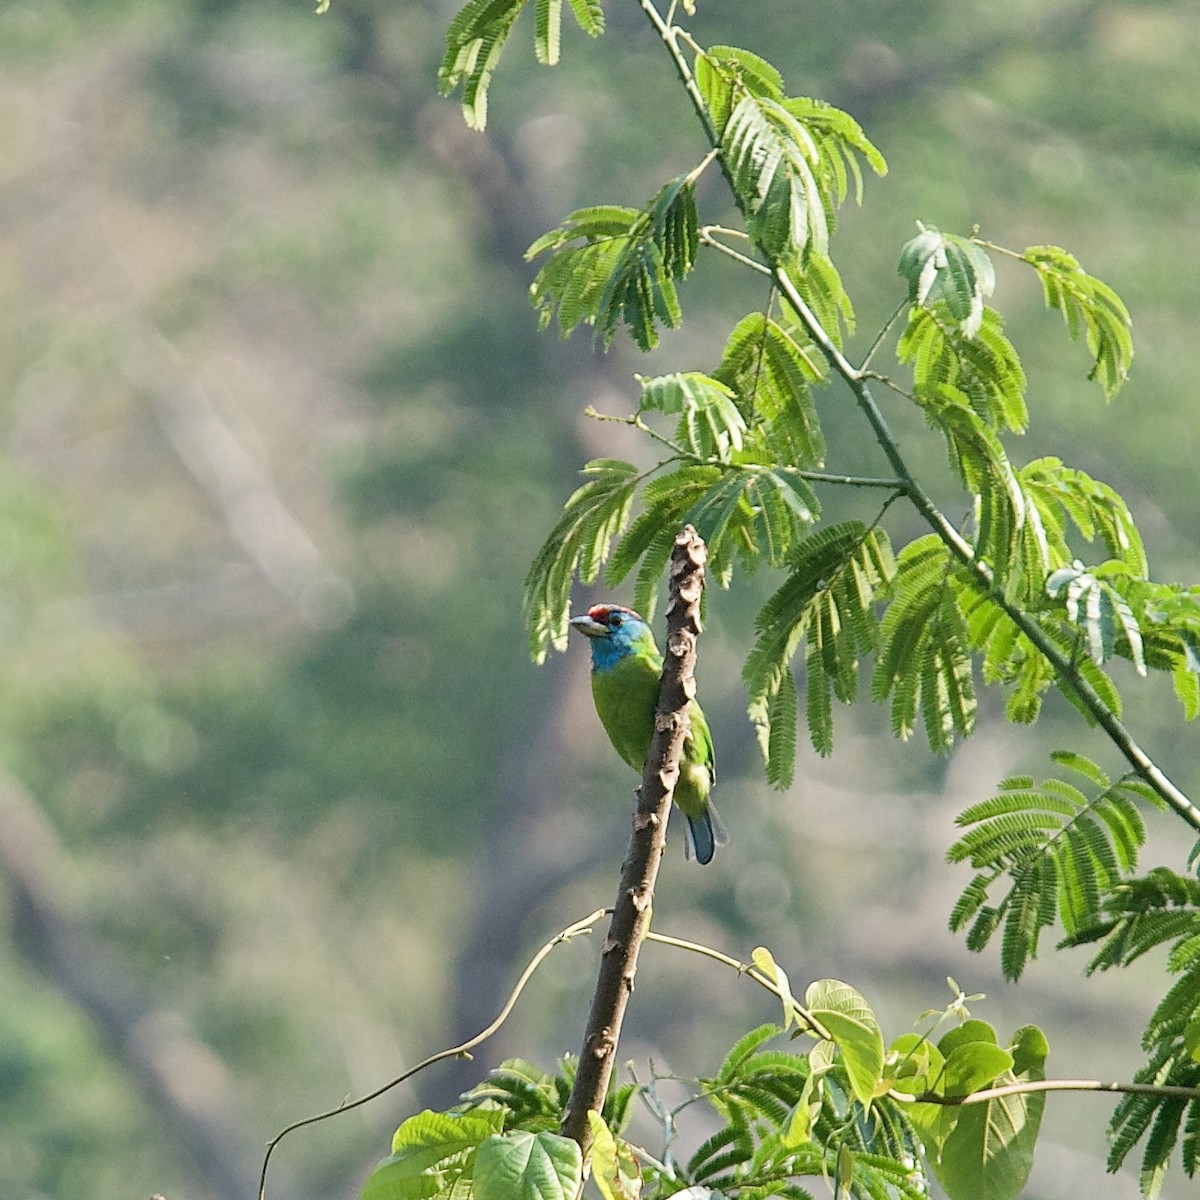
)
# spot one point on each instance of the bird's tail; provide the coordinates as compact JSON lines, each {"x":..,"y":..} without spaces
{"x":705,"y":834}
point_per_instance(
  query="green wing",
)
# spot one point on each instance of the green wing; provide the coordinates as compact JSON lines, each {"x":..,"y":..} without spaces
{"x":626,"y":696}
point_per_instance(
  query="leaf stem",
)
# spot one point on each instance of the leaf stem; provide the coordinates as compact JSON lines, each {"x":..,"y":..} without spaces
{"x":745,"y":260}
{"x":742,"y":969}
{"x":866,"y":362}
{"x":635,"y":419}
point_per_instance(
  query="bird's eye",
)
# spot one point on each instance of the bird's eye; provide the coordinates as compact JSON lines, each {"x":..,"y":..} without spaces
{"x":614,"y":620}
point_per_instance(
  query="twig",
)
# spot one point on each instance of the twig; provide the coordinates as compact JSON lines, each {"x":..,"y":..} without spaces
{"x":866,"y":362}
{"x":565,"y":935}
{"x":631,"y":912}
{"x":742,"y":969}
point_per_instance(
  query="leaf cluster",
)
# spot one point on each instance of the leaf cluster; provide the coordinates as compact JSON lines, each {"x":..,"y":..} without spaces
{"x":1039,"y":582}
{"x":612,"y":266}
{"x":1161,"y":908}
{"x":1056,"y":850}
{"x":846,"y":1109}
{"x":476,"y":37}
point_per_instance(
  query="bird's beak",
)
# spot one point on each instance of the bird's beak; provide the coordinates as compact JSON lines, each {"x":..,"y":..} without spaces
{"x":588,"y":627}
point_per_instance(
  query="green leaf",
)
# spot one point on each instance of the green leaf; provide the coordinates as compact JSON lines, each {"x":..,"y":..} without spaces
{"x":1084,"y":301}
{"x":722,"y":71}
{"x":710,"y":422}
{"x":827,"y":601}
{"x":1066,"y":494}
{"x":1096,"y":607}
{"x":624,"y":271}
{"x":528,"y":1166}
{"x":762,"y":958}
{"x":589,"y":15}
{"x":951,"y":269}
{"x":769,"y":367}
{"x":924,"y":662}
{"x":1061,"y":851}
{"x":428,"y":1151}
{"x":854,"y":1028}
{"x":475,"y":40}
{"x":840,"y":140}
{"x":770,"y":157}
{"x":982,"y":368}
{"x":548,"y":35}
{"x":987,"y":1153}
{"x":593,"y":516}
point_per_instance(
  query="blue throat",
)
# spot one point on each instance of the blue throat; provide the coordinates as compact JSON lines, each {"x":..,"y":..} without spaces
{"x":607,"y":652}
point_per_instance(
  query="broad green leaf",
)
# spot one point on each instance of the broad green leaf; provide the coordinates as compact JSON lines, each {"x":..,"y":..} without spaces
{"x":915,"y":1065}
{"x":988,"y":1154}
{"x":430,"y":1136}
{"x":427,"y":1150}
{"x":853,"y":1025}
{"x":528,"y":1166}
{"x":970,"y":1068}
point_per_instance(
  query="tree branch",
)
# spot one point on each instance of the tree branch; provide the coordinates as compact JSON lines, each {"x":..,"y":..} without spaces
{"x":631,"y":912}
{"x":857,"y":380}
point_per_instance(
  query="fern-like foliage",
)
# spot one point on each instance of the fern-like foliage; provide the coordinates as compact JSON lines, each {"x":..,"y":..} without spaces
{"x":770,"y":368}
{"x":1059,"y":851}
{"x":826,"y":605}
{"x":788,"y":1116}
{"x":980,"y":364}
{"x":1170,"y":620}
{"x":1070,"y":500}
{"x":771,"y":158}
{"x":943,"y":269}
{"x":1089,"y":307}
{"x":1139,"y":915}
{"x":791,"y":162}
{"x":578,"y":544}
{"x":1094,"y":605}
{"x":711,"y":425}
{"x":924,"y":665}
{"x":745,"y":510}
{"x":534,"y":1099}
{"x":613,"y":266}
{"x":476,"y":37}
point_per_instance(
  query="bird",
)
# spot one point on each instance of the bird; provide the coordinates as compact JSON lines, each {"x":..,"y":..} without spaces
{"x":626,"y":668}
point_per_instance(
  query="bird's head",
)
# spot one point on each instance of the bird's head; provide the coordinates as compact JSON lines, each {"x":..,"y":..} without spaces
{"x":615,"y":631}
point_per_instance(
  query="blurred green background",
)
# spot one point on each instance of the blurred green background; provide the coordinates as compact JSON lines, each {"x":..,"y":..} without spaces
{"x":284,"y":806}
